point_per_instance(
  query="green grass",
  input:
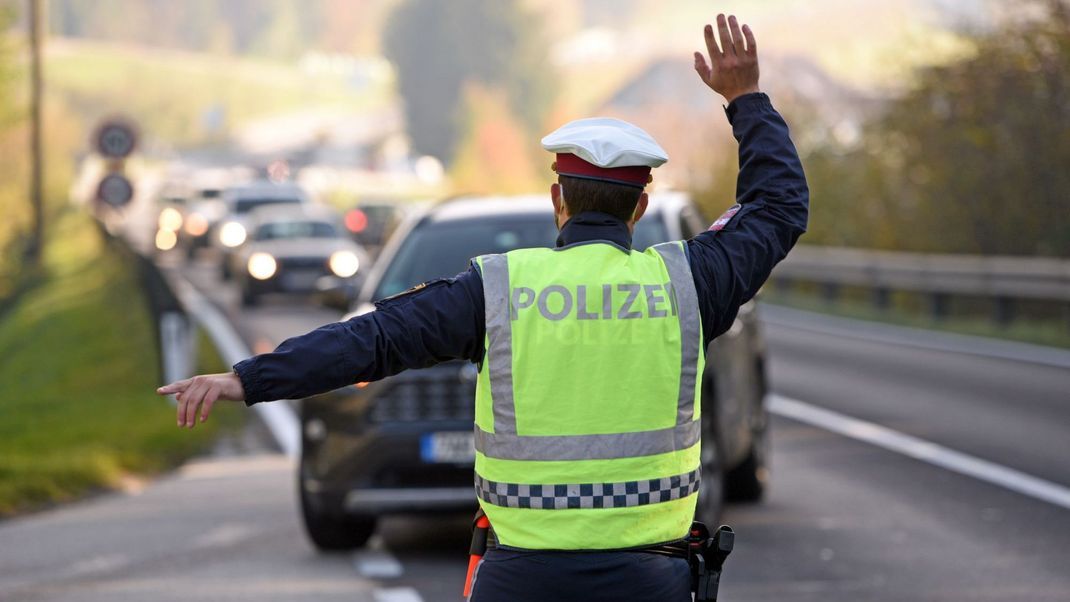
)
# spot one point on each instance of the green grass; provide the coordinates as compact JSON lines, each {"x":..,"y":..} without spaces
{"x":78,"y":377}
{"x":168,"y":92}
{"x":1049,"y":330}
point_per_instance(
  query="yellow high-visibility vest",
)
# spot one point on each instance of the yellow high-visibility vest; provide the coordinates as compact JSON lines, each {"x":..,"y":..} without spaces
{"x":587,"y":404}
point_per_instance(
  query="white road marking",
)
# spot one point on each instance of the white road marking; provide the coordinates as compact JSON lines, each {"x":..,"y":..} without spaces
{"x":224,"y":535}
{"x":397,"y":594}
{"x":221,"y":468}
{"x":376,"y":562}
{"x":279,"y":416}
{"x":922,"y":450}
{"x":103,"y":563}
{"x":917,"y":338}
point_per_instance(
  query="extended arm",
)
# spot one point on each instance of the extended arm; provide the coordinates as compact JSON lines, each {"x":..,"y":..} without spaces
{"x":732,"y":260}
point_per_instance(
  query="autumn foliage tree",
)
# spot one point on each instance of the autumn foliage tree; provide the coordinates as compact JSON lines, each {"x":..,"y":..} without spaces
{"x":439,"y":47}
{"x":494,"y":155}
{"x":972,"y":160}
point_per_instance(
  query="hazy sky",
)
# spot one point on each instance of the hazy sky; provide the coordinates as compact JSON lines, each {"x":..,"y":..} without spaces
{"x":863,"y":42}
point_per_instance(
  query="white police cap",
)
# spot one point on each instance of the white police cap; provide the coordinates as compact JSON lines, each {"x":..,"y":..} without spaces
{"x":606,"y":142}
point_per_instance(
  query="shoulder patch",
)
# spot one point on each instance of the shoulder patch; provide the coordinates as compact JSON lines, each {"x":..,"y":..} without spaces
{"x":721,"y":222}
{"x":415,"y":289}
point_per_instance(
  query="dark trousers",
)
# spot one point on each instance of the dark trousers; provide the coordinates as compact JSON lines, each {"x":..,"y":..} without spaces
{"x":518,"y":576}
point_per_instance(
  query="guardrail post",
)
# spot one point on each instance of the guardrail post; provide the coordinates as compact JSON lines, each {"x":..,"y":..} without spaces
{"x":830,"y":291}
{"x":1004,"y":310}
{"x":176,"y":346}
{"x":938,"y":305}
{"x":882,"y":298}
{"x":783,"y":285}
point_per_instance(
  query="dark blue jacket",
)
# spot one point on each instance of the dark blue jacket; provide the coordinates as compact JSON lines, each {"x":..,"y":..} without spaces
{"x":444,"y":319}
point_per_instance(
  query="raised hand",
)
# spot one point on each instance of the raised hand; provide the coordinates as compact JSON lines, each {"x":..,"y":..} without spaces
{"x":733,"y":68}
{"x":202,"y":391}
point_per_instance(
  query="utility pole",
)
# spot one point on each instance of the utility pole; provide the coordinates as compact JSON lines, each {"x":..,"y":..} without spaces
{"x":37,"y":235}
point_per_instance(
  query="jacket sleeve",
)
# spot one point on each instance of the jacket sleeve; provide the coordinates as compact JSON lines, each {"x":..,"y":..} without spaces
{"x":435,"y":322}
{"x":732,"y":259}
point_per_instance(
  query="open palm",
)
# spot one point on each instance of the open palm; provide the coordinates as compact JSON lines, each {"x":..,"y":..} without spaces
{"x":732,"y":70}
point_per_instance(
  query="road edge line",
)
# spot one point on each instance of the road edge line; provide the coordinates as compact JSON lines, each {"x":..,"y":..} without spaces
{"x":396,"y":594}
{"x":920,"y":449}
{"x":280,"y":418}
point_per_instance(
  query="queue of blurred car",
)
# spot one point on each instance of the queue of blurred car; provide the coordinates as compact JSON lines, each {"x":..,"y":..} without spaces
{"x":271,"y":237}
{"x":404,"y":444}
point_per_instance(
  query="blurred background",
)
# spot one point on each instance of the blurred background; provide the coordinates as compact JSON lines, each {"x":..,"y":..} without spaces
{"x":183,"y":184}
{"x":917,"y":120}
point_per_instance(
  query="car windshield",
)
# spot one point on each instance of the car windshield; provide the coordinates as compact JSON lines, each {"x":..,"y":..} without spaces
{"x":442,"y":249}
{"x":248,"y":204}
{"x":291,"y":229}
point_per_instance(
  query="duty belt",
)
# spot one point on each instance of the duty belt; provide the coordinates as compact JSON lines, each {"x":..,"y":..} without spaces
{"x":705,"y":554}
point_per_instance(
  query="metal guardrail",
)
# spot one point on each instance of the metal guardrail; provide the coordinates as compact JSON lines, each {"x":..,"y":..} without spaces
{"x":279,"y":417}
{"x":1004,"y":279}
{"x":177,"y":307}
{"x":986,"y":276}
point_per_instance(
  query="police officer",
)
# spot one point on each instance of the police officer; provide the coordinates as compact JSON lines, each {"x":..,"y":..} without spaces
{"x":587,"y":415}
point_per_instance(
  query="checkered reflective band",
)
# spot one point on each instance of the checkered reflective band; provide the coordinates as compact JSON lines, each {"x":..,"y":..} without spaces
{"x":587,"y":495}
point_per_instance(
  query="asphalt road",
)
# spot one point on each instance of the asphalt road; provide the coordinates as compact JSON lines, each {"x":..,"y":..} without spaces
{"x":844,"y":520}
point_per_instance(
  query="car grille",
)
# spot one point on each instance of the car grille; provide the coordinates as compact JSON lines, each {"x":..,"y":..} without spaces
{"x":441,"y":395}
{"x":303,"y":263}
{"x":442,"y":475}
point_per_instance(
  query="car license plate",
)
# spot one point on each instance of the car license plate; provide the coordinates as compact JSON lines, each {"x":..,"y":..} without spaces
{"x":300,"y":280}
{"x":454,"y":447}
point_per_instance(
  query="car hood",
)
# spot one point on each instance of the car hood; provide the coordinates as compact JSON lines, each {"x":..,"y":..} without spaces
{"x":304,"y":247}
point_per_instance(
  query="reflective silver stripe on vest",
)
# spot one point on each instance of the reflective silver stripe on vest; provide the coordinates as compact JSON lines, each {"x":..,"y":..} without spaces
{"x":587,"y":447}
{"x":500,"y":333}
{"x":683,"y":285}
{"x":504,"y":443}
{"x":588,"y":495}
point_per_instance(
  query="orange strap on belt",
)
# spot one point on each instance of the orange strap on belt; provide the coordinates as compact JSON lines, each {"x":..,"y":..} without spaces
{"x":476,"y":551}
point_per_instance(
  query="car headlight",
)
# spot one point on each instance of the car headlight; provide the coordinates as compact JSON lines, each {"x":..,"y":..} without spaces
{"x":196,"y":224}
{"x":262,"y":266}
{"x":166,"y":239}
{"x":232,"y":234}
{"x":170,"y":219}
{"x":344,"y":263}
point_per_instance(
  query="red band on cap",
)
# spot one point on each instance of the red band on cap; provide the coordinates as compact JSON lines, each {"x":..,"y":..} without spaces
{"x":571,"y":165}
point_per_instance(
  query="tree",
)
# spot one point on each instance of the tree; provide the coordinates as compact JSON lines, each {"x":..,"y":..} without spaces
{"x":8,"y":109}
{"x":438,"y":47}
{"x":13,"y":148}
{"x":494,"y":154}
{"x":972,"y":160}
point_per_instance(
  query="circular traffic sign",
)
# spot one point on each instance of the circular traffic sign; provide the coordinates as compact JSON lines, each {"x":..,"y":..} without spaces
{"x":115,"y":190}
{"x":115,"y":139}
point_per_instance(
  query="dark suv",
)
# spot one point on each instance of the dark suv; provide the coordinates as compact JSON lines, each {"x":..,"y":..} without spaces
{"x":404,"y":444}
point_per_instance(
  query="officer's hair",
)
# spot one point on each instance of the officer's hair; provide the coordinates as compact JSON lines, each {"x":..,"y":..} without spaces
{"x":581,"y":194}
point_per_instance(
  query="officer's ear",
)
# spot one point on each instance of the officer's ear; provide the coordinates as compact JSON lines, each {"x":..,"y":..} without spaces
{"x":555,"y":196}
{"x":558,"y":199}
{"x":640,"y":207}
